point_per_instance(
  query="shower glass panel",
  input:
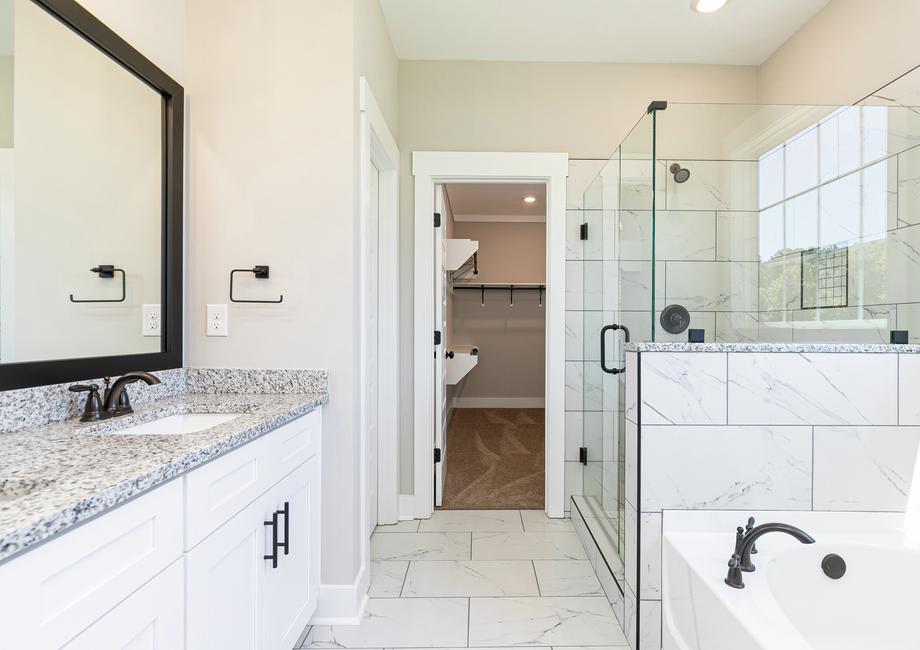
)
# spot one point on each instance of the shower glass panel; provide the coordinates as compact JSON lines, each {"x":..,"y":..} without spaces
{"x":789,"y":223}
{"x":617,"y":290}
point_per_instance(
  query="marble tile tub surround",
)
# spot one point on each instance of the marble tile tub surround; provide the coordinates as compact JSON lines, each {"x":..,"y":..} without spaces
{"x":832,"y":427}
{"x":58,"y":474}
{"x":31,"y":407}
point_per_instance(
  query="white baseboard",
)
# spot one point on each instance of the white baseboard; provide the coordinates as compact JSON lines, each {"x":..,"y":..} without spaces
{"x":342,"y":604}
{"x":406,"y":507}
{"x":499,"y":402}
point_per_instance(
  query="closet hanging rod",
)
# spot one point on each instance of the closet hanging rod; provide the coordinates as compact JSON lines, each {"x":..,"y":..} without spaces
{"x":510,"y":288}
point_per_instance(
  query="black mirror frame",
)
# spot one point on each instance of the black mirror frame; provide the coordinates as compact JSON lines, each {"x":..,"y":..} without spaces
{"x":38,"y":373}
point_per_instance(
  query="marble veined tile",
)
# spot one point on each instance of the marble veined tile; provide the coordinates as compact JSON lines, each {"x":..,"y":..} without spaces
{"x":471,"y":578}
{"x":408,"y":526}
{"x":468,"y":521}
{"x":536,"y":521}
{"x":387,"y":579}
{"x":543,"y":621}
{"x":865,"y":468}
{"x":714,"y":185}
{"x":909,"y":187}
{"x":567,"y":578}
{"x":725,"y":467}
{"x":908,"y":380}
{"x":813,"y":389}
{"x":421,"y":546}
{"x":400,"y":622}
{"x":713,"y":286}
{"x":683,"y":388}
{"x":527,"y":546}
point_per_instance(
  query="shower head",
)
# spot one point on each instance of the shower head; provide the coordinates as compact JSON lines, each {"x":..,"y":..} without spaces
{"x":681,"y":174}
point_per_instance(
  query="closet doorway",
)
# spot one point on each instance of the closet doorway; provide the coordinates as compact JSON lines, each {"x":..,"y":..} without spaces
{"x":494,"y":283}
{"x":489,"y":278}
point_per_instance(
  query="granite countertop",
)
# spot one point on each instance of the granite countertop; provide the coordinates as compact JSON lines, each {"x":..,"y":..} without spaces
{"x":57,"y":475}
{"x":676,"y":346}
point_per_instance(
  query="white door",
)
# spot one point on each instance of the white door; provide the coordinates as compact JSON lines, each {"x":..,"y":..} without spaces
{"x":223,"y":578}
{"x":440,"y":325}
{"x":151,"y":618}
{"x":371,"y":310}
{"x":291,"y":589}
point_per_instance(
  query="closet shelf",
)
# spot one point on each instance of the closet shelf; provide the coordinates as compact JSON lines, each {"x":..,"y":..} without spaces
{"x":457,"y":252}
{"x":460,"y":360}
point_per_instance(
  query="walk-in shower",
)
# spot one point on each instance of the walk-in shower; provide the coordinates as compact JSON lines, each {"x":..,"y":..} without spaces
{"x":751,"y":223}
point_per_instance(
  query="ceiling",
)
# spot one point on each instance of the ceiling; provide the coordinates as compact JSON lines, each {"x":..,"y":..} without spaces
{"x":497,"y":201}
{"x":744,"y":32}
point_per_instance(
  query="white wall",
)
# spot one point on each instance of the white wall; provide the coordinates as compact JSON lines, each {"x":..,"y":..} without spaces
{"x":582,"y":109}
{"x":848,"y":50}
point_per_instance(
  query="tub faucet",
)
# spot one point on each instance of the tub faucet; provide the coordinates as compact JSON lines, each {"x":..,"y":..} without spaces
{"x":741,"y":558}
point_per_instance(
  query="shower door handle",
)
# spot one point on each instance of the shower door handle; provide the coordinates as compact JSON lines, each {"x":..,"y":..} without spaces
{"x":604,"y":330}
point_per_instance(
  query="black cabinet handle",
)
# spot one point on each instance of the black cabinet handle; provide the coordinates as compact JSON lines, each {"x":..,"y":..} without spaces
{"x":274,"y":524}
{"x":604,"y":330}
{"x":287,"y":530}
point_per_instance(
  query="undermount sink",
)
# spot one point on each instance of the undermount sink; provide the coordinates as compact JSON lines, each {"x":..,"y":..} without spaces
{"x":176,"y":425}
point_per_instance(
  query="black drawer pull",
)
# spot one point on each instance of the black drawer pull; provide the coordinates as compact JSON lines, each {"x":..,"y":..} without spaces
{"x":287,"y":530}
{"x":274,"y":524}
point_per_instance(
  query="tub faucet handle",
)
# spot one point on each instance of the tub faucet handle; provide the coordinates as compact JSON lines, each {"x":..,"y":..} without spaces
{"x":749,"y":528}
{"x":735,"y":579}
{"x":739,"y":540}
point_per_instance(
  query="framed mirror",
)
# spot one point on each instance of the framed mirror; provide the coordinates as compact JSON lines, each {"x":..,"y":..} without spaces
{"x":91,"y":143}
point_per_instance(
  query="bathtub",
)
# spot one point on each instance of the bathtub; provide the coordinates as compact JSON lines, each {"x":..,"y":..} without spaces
{"x":788,"y":603}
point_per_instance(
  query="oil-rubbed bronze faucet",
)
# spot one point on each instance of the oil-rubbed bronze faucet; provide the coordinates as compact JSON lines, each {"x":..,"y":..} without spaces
{"x":115,"y":401}
{"x":744,"y":544}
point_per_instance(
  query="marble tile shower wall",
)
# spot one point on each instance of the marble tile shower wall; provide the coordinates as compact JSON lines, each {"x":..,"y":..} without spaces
{"x":835,"y":431}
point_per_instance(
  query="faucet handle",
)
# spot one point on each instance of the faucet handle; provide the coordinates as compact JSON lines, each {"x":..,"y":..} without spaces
{"x":749,"y":528}
{"x":735,"y":578}
{"x":92,"y":409}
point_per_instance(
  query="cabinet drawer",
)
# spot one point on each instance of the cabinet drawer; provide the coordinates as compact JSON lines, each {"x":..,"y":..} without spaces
{"x":67,"y":584}
{"x":218,"y":490}
{"x":152,"y":617}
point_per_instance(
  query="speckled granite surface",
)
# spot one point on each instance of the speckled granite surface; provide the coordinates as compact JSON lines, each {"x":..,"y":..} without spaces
{"x":241,"y":380}
{"x":58,"y":474}
{"x":30,"y":407}
{"x":871,"y":348}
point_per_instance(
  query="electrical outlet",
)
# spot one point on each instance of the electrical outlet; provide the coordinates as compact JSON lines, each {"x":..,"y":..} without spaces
{"x":217,"y":320}
{"x":151,"y":325}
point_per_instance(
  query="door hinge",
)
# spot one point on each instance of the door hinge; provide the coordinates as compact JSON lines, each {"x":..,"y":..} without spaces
{"x":437,"y":219}
{"x":583,"y":455}
{"x":583,"y":232}
{"x":437,"y":337}
{"x":437,"y":455}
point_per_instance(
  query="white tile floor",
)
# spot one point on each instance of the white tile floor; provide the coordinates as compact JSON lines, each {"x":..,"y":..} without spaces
{"x":479,"y":579}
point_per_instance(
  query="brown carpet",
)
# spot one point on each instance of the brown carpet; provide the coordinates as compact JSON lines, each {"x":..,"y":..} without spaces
{"x":495,"y":460}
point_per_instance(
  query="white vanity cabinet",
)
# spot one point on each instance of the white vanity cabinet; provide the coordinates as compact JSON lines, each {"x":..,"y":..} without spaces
{"x":183,"y":565}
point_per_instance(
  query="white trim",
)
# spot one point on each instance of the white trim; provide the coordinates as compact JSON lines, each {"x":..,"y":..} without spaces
{"x":377,"y":147}
{"x":429,"y":168}
{"x":342,"y":604}
{"x":499,"y":403}
{"x":406,"y":507}
{"x":500,"y":218}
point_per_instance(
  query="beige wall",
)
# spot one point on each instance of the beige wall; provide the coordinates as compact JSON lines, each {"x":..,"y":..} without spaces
{"x":848,"y":50}
{"x":376,"y":60}
{"x":6,"y":101}
{"x":582,"y":109}
{"x":511,"y":340}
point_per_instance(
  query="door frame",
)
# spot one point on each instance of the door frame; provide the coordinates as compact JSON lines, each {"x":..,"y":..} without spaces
{"x":378,"y":147}
{"x":429,"y":168}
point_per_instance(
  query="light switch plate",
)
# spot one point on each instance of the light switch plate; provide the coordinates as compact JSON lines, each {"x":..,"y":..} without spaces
{"x":152,"y":323}
{"x":217,"y":321}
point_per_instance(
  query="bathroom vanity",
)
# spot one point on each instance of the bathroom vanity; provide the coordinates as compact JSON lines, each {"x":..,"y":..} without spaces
{"x":193,"y":523}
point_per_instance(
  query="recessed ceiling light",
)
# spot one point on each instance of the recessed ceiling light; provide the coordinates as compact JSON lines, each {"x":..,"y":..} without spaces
{"x":707,"y":6}
{"x":530,"y":199}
